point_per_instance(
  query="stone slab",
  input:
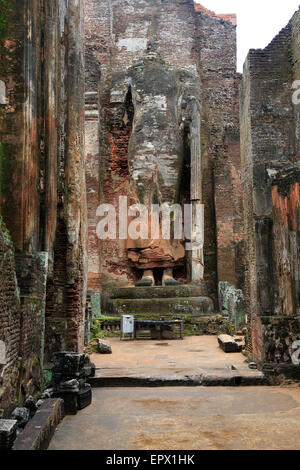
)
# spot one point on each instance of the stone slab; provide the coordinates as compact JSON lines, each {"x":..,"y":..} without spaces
{"x":228,"y":344}
{"x":167,"y":378}
{"x":39,"y":431}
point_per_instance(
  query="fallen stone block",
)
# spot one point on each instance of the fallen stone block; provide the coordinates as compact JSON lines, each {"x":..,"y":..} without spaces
{"x":30,"y":404}
{"x":22,"y":415}
{"x":8,"y":430}
{"x":40,"y":429}
{"x":104,"y":347}
{"x":228,"y":344}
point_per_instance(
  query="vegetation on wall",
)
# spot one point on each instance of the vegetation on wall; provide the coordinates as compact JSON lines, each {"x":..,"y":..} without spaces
{"x":3,"y":17}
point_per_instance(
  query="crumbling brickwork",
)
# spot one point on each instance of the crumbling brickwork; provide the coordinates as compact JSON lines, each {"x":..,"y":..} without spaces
{"x":270,"y":160}
{"x":66,"y":290}
{"x":9,"y":322}
{"x":42,"y":184}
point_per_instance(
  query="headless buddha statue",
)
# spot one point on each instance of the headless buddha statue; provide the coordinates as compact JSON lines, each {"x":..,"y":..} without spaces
{"x":155,"y":156}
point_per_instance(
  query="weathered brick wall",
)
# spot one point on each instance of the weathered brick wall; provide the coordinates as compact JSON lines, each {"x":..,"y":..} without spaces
{"x":216,"y":40}
{"x":189,"y":39}
{"x":66,"y":288}
{"x":286,"y":241}
{"x":9,"y":322}
{"x":20,"y":123}
{"x":273,"y":335}
{"x":22,"y":321}
{"x":31,"y":272}
{"x":20,"y":127}
{"x":269,"y":142}
{"x":42,"y":186}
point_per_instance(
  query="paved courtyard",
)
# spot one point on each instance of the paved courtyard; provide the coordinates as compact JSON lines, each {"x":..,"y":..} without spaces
{"x":189,"y":356}
{"x":183,"y":418}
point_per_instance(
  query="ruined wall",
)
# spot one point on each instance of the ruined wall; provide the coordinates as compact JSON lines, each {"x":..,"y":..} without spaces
{"x":286,"y":226}
{"x":119,"y":35}
{"x":220,"y":141}
{"x":66,"y":289}
{"x":9,"y":322}
{"x":20,"y":70}
{"x":280,"y":331}
{"x":269,"y":142}
{"x":42,"y":185}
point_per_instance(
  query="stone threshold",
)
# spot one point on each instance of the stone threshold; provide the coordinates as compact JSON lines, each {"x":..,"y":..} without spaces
{"x":225,"y":377}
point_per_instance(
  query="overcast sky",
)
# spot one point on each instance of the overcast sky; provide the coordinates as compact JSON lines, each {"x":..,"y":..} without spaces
{"x":258,"y":20}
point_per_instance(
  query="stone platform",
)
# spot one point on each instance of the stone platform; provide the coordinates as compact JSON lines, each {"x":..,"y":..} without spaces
{"x":158,"y":301}
{"x":195,"y":361}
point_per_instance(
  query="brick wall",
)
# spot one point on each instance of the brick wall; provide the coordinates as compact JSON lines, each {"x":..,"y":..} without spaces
{"x":9,"y":322}
{"x":66,"y":239}
{"x":42,"y":186}
{"x":220,"y":151}
{"x":269,"y":142}
{"x":286,"y":244}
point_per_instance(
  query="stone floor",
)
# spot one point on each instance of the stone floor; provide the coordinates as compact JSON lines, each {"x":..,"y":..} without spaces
{"x":184,"y":419}
{"x":192,"y":361}
{"x":190,"y":354}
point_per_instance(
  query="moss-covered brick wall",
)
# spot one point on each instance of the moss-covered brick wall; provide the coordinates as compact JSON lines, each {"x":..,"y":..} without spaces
{"x":10,"y":321}
{"x":42,"y":186}
{"x":270,"y":172}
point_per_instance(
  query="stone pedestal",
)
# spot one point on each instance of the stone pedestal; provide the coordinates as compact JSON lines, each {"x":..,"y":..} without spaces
{"x":177,"y":301}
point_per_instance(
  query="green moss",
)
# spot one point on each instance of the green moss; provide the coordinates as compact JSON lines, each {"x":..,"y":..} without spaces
{"x":47,"y":378}
{"x":227,"y":328}
{"x":192,"y":326}
{"x":92,"y":347}
{"x":32,"y":301}
{"x":36,"y":361}
{"x":3,"y":17}
{"x":291,"y":56}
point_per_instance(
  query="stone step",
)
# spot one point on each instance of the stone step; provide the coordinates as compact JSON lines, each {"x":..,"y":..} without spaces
{"x":155,"y":292}
{"x":171,"y":378}
{"x":198,"y":306}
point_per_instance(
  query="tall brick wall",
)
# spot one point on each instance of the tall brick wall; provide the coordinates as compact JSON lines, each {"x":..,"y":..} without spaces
{"x":65,"y":193}
{"x":20,"y":124}
{"x":221,"y":151}
{"x":42,"y":184}
{"x":269,"y":145}
{"x":188,"y":39}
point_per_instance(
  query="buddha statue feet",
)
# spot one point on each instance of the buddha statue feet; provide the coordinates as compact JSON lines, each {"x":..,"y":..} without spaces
{"x":168,"y":278}
{"x":147,"y":279}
